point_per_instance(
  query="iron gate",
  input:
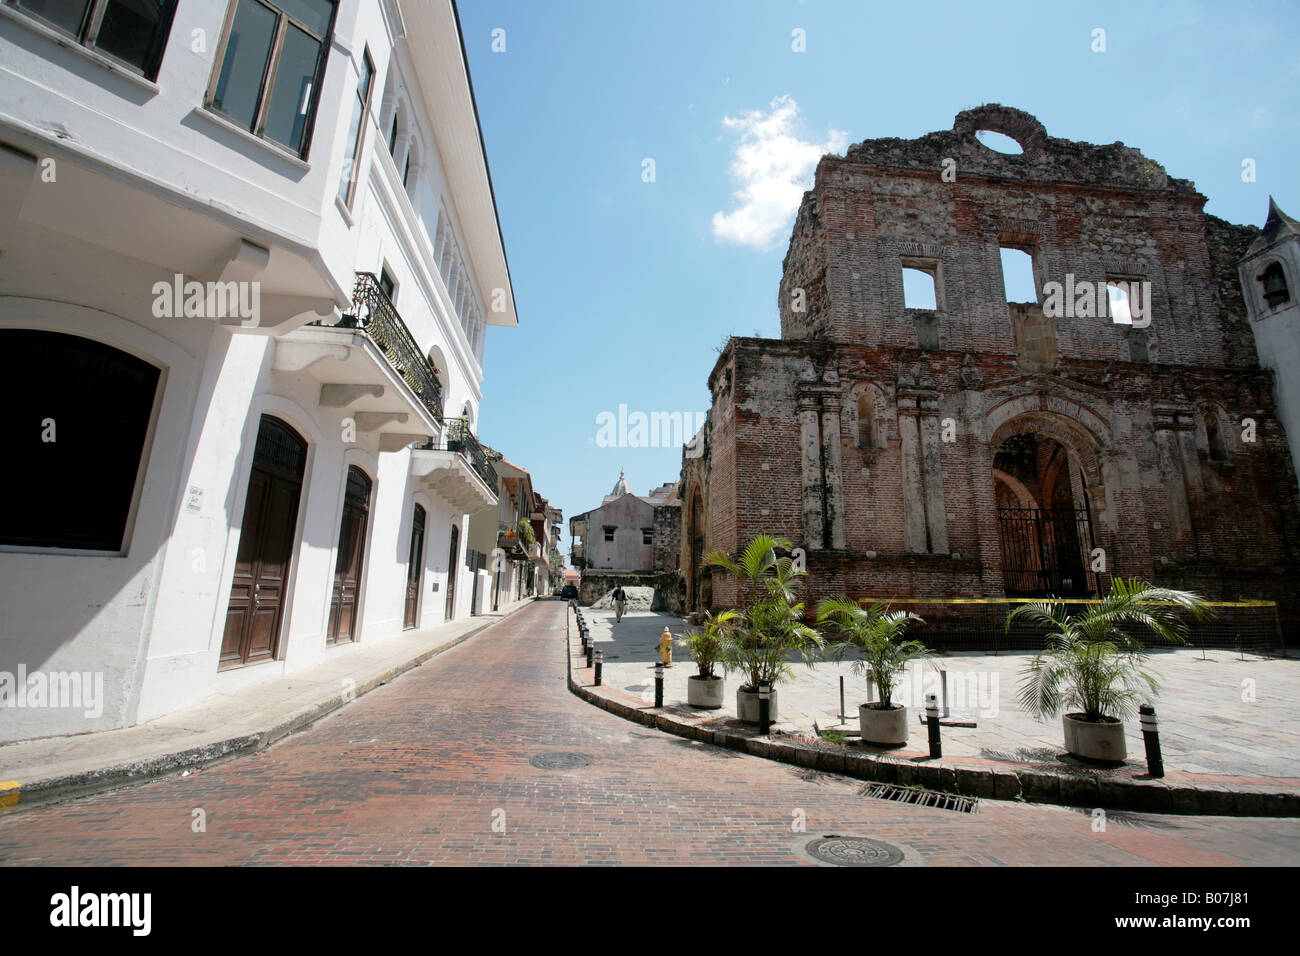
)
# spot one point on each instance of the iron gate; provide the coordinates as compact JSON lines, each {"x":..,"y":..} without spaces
{"x":1047,"y":551}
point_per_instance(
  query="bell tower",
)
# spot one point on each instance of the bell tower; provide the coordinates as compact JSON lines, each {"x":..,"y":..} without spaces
{"x":1270,"y":281}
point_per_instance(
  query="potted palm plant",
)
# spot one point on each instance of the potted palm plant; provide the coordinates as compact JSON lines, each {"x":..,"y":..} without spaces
{"x":1092,"y":670}
{"x":769,"y":627}
{"x":704,"y":646}
{"x":877,"y":633}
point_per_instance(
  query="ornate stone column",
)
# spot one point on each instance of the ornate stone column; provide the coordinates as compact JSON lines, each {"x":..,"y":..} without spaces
{"x":925,"y":527}
{"x":832,"y":472}
{"x":1172,"y":427}
{"x":810,"y":455}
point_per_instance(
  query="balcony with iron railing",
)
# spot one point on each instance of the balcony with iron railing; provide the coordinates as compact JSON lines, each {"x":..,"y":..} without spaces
{"x":374,"y":313}
{"x":460,"y":439}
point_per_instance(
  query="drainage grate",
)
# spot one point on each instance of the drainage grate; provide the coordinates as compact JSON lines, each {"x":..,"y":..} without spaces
{"x":920,"y":797}
{"x":560,"y":760}
{"x":854,"y":851}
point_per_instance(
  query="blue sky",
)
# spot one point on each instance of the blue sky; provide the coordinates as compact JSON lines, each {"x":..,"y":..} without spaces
{"x":625,"y":288}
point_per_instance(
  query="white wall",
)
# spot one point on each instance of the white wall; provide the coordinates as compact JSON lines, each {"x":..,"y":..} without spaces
{"x":151,"y":620}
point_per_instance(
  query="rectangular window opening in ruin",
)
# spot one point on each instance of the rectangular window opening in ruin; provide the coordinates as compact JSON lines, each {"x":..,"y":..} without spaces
{"x":1117,"y":301}
{"x":1018,"y":275}
{"x":609,"y":533}
{"x":920,"y":287}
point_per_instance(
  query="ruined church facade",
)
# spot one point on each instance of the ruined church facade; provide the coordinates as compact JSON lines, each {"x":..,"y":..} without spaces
{"x":986,"y":448}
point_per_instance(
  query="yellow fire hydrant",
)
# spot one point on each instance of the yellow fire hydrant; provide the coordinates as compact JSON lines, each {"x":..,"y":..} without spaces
{"x":666,"y":648}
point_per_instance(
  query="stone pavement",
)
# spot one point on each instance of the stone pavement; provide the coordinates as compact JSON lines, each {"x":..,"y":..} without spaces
{"x":1220,"y":716}
{"x":240,"y":721}
{"x":482,"y":756}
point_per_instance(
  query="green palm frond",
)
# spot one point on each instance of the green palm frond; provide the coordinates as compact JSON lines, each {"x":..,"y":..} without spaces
{"x":1091,"y":660}
{"x":876,"y":633}
{"x":768,"y":627}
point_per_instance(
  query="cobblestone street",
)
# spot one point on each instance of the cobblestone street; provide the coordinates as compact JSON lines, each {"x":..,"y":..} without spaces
{"x":440,"y":766}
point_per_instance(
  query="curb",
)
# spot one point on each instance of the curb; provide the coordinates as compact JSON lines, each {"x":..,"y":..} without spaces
{"x":15,"y":795}
{"x":1031,"y":786}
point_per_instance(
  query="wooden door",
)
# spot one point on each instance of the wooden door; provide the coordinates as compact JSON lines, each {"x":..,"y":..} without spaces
{"x":452,"y":572}
{"x":259,"y":586}
{"x":414,"y":565}
{"x":350,"y":562}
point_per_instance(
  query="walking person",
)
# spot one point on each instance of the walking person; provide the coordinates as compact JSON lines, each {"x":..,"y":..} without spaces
{"x":620,"y":603}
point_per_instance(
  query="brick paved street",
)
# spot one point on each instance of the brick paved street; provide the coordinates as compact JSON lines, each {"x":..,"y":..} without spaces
{"x":420,"y":770}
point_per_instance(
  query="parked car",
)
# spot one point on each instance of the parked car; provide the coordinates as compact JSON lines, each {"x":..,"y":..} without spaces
{"x":569,"y":593}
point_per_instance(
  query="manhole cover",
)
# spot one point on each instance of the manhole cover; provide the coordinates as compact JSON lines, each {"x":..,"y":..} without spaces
{"x":560,"y":760}
{"x":854,"y":851}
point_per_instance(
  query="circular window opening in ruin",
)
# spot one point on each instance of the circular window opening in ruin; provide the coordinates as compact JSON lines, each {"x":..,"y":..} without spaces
{"x":999,"y":142}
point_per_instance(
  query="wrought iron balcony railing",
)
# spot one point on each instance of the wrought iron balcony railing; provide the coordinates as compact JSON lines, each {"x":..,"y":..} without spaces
{"x":458,"y":438}
{"x":461,"y":439}
{"x":373,"y":312}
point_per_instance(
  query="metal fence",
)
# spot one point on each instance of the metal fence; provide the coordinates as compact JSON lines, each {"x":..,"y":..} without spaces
{"x":460,"y":439}
{"x":1047,"y":551}
{"x":979,"y":624}
{"x":373,"y":312}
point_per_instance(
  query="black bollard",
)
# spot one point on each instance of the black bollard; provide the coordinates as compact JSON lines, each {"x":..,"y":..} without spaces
{"x":932,"y":722}
{"x":659,"y":684}
{"x":1151,"y":737}
{"x":764,"y":707}
{"x":591,"y":652}
{"x":600,"y":660}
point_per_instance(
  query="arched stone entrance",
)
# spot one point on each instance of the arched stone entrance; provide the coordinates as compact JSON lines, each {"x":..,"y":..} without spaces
{"x":1046,"y":478}
{"x":695,"y":545}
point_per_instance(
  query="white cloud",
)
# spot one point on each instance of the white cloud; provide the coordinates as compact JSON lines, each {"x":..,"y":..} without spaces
{"x":774,"y":167}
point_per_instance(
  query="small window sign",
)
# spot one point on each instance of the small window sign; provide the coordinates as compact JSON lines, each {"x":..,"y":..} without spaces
{"x":194,"y":499}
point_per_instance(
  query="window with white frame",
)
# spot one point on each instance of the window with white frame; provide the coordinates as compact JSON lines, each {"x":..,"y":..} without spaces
{"x":133,"y":32}
{"x":348,"y":176}
{"x":270,"y":65}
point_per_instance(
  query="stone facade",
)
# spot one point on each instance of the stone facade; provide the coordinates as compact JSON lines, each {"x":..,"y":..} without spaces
{"x":630,"y":532}
{"x":986,"y":448}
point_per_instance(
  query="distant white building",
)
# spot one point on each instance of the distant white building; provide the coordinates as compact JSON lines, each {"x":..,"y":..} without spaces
{"x":1270,"y":276}
{"x":249,"y":254}
{"x":629,"y":532}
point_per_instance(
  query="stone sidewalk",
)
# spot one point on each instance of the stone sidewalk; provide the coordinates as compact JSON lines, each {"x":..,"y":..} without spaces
{"x":1224,"y":720}
{"x":55,"y":768}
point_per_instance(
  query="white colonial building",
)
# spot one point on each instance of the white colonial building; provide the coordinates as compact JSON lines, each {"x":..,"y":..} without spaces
{"x":248,"y":253}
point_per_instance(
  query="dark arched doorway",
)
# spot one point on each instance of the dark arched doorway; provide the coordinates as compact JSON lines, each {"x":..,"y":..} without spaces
{"x":695,"y":537}
{"x":414,"y":565}
{"x":260,"y":585}
{"x":452,"y":558}
{"x":1044,"y":518}
{"x":76,"y":455}
{"x":351,"y":558}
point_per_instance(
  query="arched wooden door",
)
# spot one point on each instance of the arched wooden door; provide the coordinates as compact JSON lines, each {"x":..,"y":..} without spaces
{"x":695,"y":535}
{"x":259,"y":588}
{"x":451,"y":572}
{"x":350,"y":562}
{"x":414,"y":565}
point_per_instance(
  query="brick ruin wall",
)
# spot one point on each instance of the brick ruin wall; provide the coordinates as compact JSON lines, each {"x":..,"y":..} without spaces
{"x":1131,"y":404}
